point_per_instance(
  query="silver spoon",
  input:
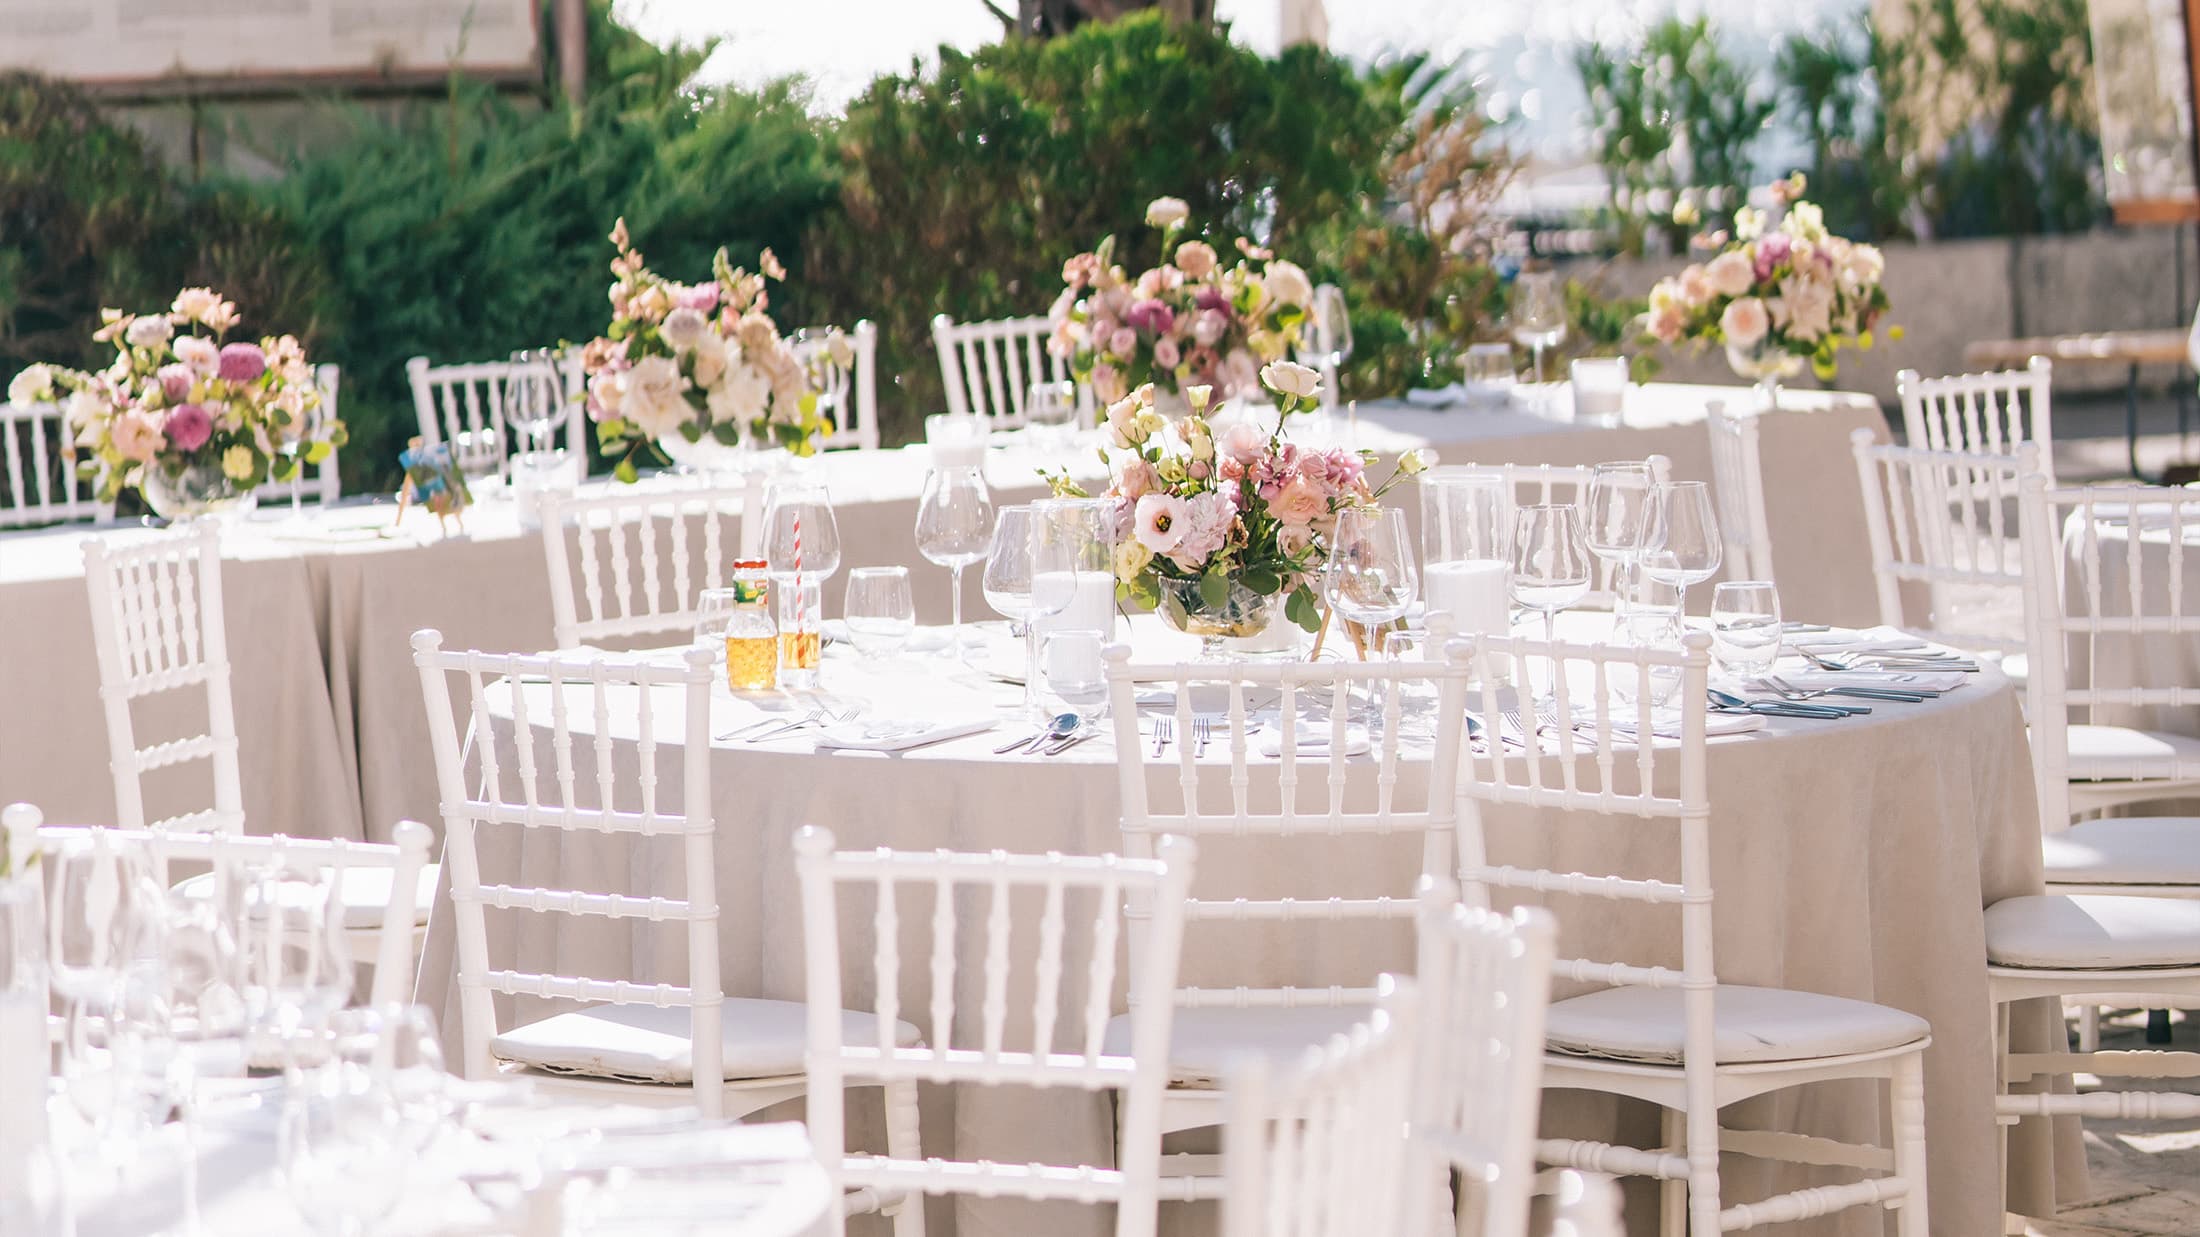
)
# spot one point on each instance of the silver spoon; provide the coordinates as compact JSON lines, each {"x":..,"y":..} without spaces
{"x":1063,"y":726}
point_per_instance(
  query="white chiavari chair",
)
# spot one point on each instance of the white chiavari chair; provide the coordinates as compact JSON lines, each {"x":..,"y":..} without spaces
{"x":157,"y":627}
{"x":1483,"y":985}
{"x":1986,"y":414}
{"x":473,"y":399}
{"x":1678,"y":1038}
{"x":637,"y":1041}
{"x":1299,"y":802}
{"x":989,"y":367}
{"x":1529,"y":485}
{"x":634,"y":552}
{"x":1082,"y":900}
{"x":1944,"y":524}
{"x":1738,"y":486}
{"x":386,"y":931}
{"x":853,"y":389}
{"x":319,"y":483}
{"x":40,"y":481}
{"x":1318,"y":1147}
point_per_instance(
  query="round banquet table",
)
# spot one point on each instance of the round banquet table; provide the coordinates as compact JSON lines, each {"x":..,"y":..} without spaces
{"x":321,"y":611}
{"x":231,"y":1165}
{"x":1852,"y":857}
{"x":2126,"y":659}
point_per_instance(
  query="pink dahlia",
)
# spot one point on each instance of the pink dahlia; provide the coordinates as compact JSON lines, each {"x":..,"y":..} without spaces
{"x":189,"y":427}
{"x":242,"y":362}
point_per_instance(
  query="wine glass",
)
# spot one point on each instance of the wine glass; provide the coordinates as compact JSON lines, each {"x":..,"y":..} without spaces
{"x":297,"y":441}
{"x":1334,"y":327}
{"x":1371,"y":578}
{"x":713,"y":611}
{"x":821,"y":349}
{"x":345,"y":1146}
{"x":1745,"y":627}
{"x":1551,"y":564}
{"x":1007,"y":579}
{"x":1617,"y":518}
{"x":298,"y":963}
{"x":954,"y":530}
{"x":1682,"y":547}
{"x":879,"y":612}
{"x":535,"y":399}
{"x":1050,"y":409}
{"x":1538,"y":313}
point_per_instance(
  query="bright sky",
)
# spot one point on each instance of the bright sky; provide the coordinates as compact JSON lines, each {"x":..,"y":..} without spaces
{"x":1520,"y":48}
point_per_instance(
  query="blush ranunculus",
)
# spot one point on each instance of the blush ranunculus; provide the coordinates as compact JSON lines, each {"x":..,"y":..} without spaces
{"x":137,"y":436}
{"x":188,"y":427}
{"x":1303,"y":501}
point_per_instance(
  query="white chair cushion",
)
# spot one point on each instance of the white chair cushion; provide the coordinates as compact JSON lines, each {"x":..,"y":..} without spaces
{"x":365,"y":891}
{"x":2016,"y":667}
{"x":1753,"y":1024}
{"x":642,"y":1043}
{"x":2119,"y":753}
{"x":1205,"y":1043}
{"x":2125,"y":850}
{"x":2093,"y":932}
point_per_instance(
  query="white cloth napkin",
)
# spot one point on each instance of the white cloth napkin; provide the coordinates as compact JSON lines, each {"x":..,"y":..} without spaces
{"x":1313,"y":739}
{"x":896,"y":734}
{"x":1714,"y":725}
{"x":1849,"y":640}
{"x":1897,"y":680}
{"x":1438,"y":397}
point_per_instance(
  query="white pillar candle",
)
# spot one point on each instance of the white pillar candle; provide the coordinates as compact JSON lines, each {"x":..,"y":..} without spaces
{"x":24,"y":1057}
{"x":1473,"y":592}
{"x":1086,"y":601}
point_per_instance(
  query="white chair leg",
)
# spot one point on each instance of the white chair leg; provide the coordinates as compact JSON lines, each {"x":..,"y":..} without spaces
{"x":902,"y":1144}
{"x":1907,"y":1091}
{"x":1703,"y":1170}
{"x":1672,"y":1195}
{"x":2089,"y":1028}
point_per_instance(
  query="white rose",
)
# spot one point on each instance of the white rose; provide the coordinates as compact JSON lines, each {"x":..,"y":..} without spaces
{"x":653,"y":399}
{"x":200,"y":354}
{"x":1745,"y":321}
{"x":34,"y":385}
{"x":1287,"y":284}
{"x":741,"y":398}
{"x":1167,"y":212}
{"x":1291,"y":378}
{"x":1866,"y":266}
{"x":149,"y":332}
{"x":683,"y":328}
{"x":86,"y":408}
{"x":710,"y":363}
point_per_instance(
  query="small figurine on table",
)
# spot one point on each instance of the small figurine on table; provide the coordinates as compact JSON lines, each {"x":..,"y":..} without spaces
{"x":433,"y":480}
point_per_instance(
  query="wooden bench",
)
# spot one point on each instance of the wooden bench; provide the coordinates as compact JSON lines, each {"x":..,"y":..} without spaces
{"x":2131,"y":349}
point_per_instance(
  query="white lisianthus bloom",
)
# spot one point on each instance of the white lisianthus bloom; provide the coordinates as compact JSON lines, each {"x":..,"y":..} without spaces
{"x":33,"y":385}
{"x":1131,"y":557}
{"x":149,"y":332}
{"x":1749,"y":223}
{"x":85,"y":408}
{"x":1805,"y":221}
{"x":741,"y":398}
{"x":1167,"y":212}
{"x":684,"y":328}
{"x":1291,"y":378}
{"x":653,"y":400}
{"x":711,"y":360}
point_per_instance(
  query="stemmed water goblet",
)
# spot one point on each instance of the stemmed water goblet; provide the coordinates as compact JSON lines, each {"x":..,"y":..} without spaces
{"x":1616,"y":517}
{"x":1372,"y":578}
{"x":801,"y":550}
{"x":954,"y":530}
{"x":1538,"y":314}
{"x":1551,"y":566}
{"x":1682,"y":546}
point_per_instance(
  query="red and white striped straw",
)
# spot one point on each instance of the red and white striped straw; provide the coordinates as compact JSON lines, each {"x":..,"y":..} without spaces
{"x":801,"y":604}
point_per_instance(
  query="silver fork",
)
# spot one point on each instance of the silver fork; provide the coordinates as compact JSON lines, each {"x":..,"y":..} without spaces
{"x":1164,"y":730}
{"x":810,"y":718}
{"x":1202,"y":730}
{"x":757,"y":729}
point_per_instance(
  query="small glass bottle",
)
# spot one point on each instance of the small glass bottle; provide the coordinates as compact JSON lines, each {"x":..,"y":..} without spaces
{"x":752,"y":638}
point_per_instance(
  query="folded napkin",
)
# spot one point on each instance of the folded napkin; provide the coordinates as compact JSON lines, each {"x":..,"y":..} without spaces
{"x":1895,"y":680}
{"x":1313,"y":739}
{"x":1714,"y":725}
{"x":896,"y":734}
{"x":1858,"y":642}
{"x":1438,"y":397}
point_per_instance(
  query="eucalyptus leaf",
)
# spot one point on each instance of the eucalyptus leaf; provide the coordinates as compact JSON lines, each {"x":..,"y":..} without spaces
{"x":626,"y":471}
{"x":1214,"y":588}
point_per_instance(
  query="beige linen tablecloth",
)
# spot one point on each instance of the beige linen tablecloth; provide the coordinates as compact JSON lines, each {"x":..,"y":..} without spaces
{"x":2126,"y":659}
{"x":1851,"y":857}
{"x":320,"y":615}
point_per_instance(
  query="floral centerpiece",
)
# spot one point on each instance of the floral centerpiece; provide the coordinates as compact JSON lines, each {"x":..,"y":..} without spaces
{"x":686,"y":364}
{"x":193,"y":423}
{"x":1777,"y":299}
{"x":1189,"y":322}
{"x":1214,"y":525}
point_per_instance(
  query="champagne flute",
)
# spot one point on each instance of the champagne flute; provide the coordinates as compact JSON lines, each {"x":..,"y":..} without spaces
{"x":1683,"y":545}
{"x":1551,"y":564}
{"x":1538,"y":313}
{"x":1617,"y":519}
{"x":954,"y":530}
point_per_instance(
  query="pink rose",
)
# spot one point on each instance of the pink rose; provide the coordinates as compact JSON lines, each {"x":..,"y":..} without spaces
{"x":702,"y":298}
{"x":1210,"y":298}
{"x":1199,"y":470}
{"x":1107,"y":384}
{"x":1151,"y":316}
{"x":1303,"y":501}
{"x":175,"y":382}
{"x":1666,"y":323}
{"x":1695,"y":285}
{"x":1138,"y":480}
{"x":1195,"y":258}
{"x":1771,"y":251}
{"x":189,"y":427}
{"x":1745,"y":321}
{"x":137,"y":436}
{"x":1124,"y":342}
{"x":1166,"y":354}
{"x":241,"y":362}
{"x":1149,"y":283}
{"x":1080,"y":270}
{"x":1243,"y":442}
{"x":1730,"y":274}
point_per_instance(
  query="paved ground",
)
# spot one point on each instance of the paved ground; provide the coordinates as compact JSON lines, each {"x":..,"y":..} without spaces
{"x":2145,"y":1174}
